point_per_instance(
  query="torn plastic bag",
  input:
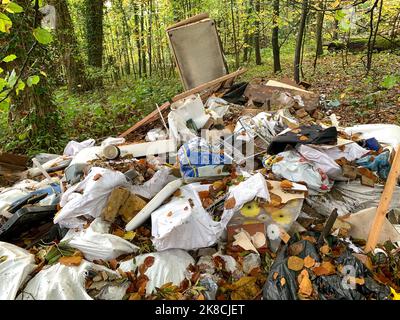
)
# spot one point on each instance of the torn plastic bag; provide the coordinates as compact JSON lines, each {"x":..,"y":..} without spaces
{"x":184,"y":223}
{"x":217,"y":107}
{"x":153,"y":186}
{"x":60,"y":282}
{"x":89,"y":197}
{"x":313,"y":134}
{"x":350,"y":152}
{"x":197,"y":158}
{"x":262,"y":125}
{"x":73,"y":147}
{"x":190,"y":108}
{"x":96,"y":243}
{"x":15,"y":266}
{"x":169,"y":266}
{"x":273,"y":289}
{"x":350,"y":197}
{"x":379,"y":164}
{"x":296,"y":168}
{"x":156,"y":134}
{"x":322,"y":161}
{"x":210,"y":285}
{"x":384,"y":133}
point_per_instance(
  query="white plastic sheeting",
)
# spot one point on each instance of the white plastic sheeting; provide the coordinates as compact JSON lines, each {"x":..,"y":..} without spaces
{"x":349,"y":197}
{"x":88,"y":197}
{"x":351,"y":152}
{"x":296,"y":168}
{"x":321,"y":161}
{"x":153,"y":186}
{"x":178,"y":219}
{"x":60,"y":282}
{"x":169,"y":266}
{"x":14,"y":271}
{"x":96,"y":243}
{"x":73,"y":147}
{"x":384,"y":133}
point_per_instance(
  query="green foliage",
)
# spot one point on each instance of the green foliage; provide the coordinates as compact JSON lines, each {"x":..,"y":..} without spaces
{"x":5,"y":23}
{"x":390,"y":81}
{"x":32,"y":80}
{"x":10,"y":57}
{"x":43,"y":36}
{"x":12,"y":7}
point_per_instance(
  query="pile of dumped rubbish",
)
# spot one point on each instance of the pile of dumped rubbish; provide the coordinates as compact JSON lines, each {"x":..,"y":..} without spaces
{"x":253,"y":191}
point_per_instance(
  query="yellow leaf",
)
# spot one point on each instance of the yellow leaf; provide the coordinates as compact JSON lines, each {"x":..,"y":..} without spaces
{"x":71,"y":261}
{"x":130,"y":235}
{"x":244,"y":289}
{"x":295,"y":263}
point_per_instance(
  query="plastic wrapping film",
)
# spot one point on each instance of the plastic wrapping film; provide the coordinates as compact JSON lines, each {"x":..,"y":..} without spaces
{"x":169,"y":266}
{"x":96,"y":243}
{"x":15,"y":266}
{"x":93,"y":199}
{"x":179,"y":219}
{"x":60,"y":282}
{"x":350,"y":197}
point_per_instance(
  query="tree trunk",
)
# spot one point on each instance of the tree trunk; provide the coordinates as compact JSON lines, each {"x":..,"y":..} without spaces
{"x":299,"y":41}
{"x":94,"y":36}
{"x":137,"y":37}
{"x":318,"y":31}
{"x":142,"y":45}
{"x":335,"y":35}
{"x":149,"y":36}
{"x":234,"y":36}
{"x":74,"y":67}
{"x":247,"y":36}
{"x":257,"y":49}
{"x":275,"y":38}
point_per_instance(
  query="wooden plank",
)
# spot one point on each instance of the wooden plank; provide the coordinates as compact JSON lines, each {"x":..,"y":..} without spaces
{"x":149,"y":118}
{"x":209,"y":84}
{"x":193,"y":19}
{"x":384,"y":202}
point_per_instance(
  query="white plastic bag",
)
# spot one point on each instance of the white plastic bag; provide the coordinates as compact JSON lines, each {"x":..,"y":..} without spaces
{"x":73,"y":147}
{"x":14,"y":271}
{"x":60,"y":282}
{"x":169,"y":266}
{"x":153,"y":186}
{"x":321,"y":161}
{"x":96,"y":243}
{"x":178,"y":224}
{"x":350,"y":152}
{"x":89,"y":197}
{"x":296,"y":168}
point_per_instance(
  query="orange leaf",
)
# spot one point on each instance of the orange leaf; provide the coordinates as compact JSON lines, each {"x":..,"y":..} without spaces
{"x":286,"y":184}
{"x":97,"y":177}
{"x":303,"y":138}
{"x":305,"y":285}
{"x":230,"y":203}
{"x":309,"y":262}
{"x":149,"y":261}
{"x":71,"y":261}
{"x":325,"y":249}
{"x":325,"y":269}
{"x":295,"y":263}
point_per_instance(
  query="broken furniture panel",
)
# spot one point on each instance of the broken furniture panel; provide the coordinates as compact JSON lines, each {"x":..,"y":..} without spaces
{"x":197,"y":50}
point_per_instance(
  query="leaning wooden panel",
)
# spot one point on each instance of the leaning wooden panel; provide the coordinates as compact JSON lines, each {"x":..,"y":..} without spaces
{"x":198,"y":53}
